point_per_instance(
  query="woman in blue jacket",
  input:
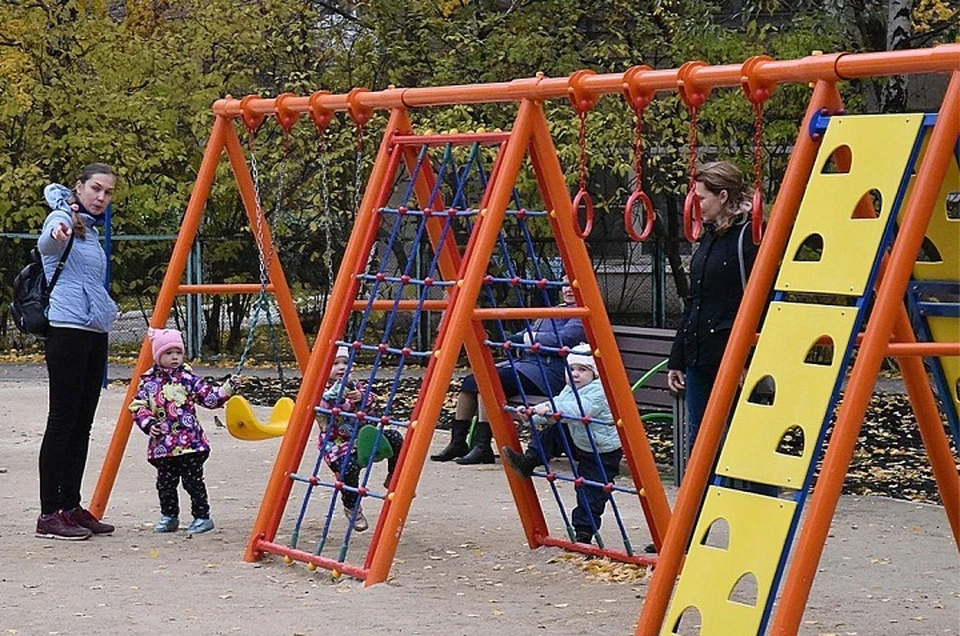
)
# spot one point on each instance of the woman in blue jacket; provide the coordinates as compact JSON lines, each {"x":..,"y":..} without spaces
{"x":81,"y":313}
{"x":718,"y":275}
{"x":539,"y":374}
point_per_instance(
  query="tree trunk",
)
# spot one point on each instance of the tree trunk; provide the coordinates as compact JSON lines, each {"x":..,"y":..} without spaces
{"x":893,"y":93}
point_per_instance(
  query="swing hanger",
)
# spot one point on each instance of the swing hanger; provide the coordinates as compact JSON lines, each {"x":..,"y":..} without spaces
{"x":286,"y":115}
{"x":359,"y":113}
{"x":638,"y":98}
{"x":694,"y":96}
{"x":321,"y":115}
{"x":583,"y":102}
{"x":250,"y":117}
{"x":757,"y":90}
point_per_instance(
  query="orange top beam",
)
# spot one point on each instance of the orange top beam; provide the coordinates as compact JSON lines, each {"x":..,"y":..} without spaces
{"x":834,"y":67}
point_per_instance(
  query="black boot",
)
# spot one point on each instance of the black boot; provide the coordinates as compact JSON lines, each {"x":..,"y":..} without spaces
{"x":523,"y":464}
{"x":458,"y":442}
{"x":481,"y":453}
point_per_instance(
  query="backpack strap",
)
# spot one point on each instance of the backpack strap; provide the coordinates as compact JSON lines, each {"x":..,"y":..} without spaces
{"x":63,"y":259}
{"x":743,"y":265}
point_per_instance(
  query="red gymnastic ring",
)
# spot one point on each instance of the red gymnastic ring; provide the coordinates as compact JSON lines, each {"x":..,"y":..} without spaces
{"x":583,"y":197}
{"x":692,"y":216}
{"x":649,"y":216}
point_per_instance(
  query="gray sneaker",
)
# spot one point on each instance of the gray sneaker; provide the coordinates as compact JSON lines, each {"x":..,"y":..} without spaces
{"x":359,"y":522}
{"x":199,"y":526}
{"x":167,"y":524}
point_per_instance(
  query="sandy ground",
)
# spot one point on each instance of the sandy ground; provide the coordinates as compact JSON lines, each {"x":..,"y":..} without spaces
{"x":890,"y":567}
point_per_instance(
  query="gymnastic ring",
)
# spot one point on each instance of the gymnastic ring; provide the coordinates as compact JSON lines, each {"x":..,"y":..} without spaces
{"x":649,"y":215}
{"x":692,"y":216}
{"x":583,"y":197}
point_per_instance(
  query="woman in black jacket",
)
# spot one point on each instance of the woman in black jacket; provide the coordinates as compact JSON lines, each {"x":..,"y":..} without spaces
{"x":718,"y":275}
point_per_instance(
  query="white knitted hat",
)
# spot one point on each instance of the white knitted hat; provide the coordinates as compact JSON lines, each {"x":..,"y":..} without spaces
{"x":582,"y":355}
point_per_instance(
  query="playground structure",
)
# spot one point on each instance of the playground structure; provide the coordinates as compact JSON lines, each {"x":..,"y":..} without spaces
{"x":865,"y":221}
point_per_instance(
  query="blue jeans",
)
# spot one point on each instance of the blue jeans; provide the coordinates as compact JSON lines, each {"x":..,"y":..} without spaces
{"x":699,"y":384}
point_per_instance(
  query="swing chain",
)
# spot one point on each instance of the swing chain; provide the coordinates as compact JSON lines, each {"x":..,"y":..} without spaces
{"x":327,"y":221}
{"x":582,"y":143}
{"x":758,"y":90}
{"x":264,"y":261}
{"x":692,"y":216}
{"x":638,"y":196}
{"x":756,"y":213}
{"x":357,"y":166}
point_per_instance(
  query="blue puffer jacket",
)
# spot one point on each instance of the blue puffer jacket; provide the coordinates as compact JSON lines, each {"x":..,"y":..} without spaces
{"x":79,"y":299}
{"x":593,"y":399}
{"x":552,"y":332}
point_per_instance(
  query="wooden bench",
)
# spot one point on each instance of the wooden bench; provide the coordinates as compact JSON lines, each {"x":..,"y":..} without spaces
{"x":642,"y":349}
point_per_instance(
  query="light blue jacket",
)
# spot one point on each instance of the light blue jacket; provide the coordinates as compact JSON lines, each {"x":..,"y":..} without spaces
{"x":79,"y":299}
{"x":595,"y":406}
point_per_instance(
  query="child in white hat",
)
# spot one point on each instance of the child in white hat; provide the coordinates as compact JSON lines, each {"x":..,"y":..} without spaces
{"x":164,"y":408}
{"x":583,"y":398}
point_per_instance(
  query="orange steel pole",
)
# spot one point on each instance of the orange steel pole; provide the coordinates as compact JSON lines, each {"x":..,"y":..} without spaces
{"x":576,"y":260}
{"x":742,"y":337}
{"x":836,"y":461}
{"x":161,"y":311}
{"x":288,"y":310}
{"x":944,"y":58}
{"x":931,"y":428}
{"x":507,"y":313}
{"x":453,"y":331}
{"x":923,"y":349}
{"x":321,"y":359}
{"x":222,"y":288}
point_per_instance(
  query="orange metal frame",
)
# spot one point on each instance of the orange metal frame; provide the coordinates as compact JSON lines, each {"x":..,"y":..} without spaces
{"x":887,"y":332}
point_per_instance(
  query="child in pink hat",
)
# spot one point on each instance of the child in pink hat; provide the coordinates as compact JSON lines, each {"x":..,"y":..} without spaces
{"x":164,"y":408}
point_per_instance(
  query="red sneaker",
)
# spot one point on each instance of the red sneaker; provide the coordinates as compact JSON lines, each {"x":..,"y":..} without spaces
{"x":85,"y":519}
{"x":60,"y":526}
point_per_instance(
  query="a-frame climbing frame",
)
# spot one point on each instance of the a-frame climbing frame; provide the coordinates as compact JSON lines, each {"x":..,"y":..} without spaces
{"x":462,"y":326}
{"x":825,"y":300}
{"x":223,"y":138}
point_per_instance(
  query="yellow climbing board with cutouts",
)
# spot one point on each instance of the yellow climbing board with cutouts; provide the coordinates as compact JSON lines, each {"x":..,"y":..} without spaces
{"x":725,"y":590}
{"x":828,"y":221}
{"x":727,"y":578}
{"x":792,"y":334}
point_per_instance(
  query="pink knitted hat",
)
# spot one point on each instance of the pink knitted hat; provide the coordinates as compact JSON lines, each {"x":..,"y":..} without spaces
{"x":163,"y":340}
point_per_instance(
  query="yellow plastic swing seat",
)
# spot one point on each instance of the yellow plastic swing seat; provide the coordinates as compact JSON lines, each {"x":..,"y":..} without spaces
{"x":243,"y":424}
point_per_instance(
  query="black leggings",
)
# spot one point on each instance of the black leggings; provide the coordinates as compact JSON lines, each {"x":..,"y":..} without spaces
{"x":189,"y":469}
{"x":76,"y":360}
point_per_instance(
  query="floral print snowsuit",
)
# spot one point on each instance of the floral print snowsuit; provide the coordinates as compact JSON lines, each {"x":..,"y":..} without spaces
{"x":169,"y":397}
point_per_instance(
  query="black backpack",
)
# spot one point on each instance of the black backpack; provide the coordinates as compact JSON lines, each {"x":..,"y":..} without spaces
{"x":31,"y":293}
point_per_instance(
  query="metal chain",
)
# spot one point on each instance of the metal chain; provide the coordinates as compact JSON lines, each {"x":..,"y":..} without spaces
{"x":326,"y":213}
{"x":358,"y":160}
{"x":757,"y":145}
{"x":582,"y":142}
{"x":694,"y":113}
{"x":638,"y":148}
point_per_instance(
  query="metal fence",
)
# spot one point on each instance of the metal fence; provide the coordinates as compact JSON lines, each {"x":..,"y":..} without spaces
{"x":634,"y":278}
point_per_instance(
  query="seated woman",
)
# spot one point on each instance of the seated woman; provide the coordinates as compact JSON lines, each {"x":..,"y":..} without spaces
{"x":536,"y":374}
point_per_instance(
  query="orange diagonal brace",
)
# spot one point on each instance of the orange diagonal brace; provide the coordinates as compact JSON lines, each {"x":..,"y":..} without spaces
{"x":165,"y":300}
